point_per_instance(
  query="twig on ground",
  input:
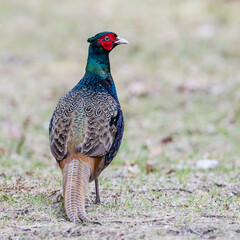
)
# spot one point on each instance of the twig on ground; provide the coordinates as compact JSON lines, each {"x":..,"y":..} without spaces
{"x":216,"y":216}
{"x":172,"y":189}
{"x":143,"y":221}
{"x":33,"y":226}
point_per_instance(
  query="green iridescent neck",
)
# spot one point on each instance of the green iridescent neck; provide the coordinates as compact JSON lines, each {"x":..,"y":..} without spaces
{"x":98,"y":61}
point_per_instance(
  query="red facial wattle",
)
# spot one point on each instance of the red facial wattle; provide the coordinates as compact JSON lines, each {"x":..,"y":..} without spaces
{"x":107,"y":44}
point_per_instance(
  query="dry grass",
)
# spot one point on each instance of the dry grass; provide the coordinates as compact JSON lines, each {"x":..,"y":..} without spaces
{"x":179,"y":85}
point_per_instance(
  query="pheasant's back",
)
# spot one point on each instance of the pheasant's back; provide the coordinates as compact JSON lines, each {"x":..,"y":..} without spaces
{"x":86,"y":120}
{"x":93,"y":113}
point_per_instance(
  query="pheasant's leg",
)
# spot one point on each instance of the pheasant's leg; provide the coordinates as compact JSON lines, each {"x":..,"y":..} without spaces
{"x":75,"y":180}
{"x":97,"y":201}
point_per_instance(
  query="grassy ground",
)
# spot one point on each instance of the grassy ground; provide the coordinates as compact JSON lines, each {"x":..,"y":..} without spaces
{"x":179,"y":86}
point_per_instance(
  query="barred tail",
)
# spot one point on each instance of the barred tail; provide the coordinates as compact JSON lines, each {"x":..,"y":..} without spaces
{"x":75,"y":181}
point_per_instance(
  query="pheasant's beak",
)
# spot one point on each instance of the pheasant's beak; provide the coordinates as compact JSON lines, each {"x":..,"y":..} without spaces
{"x":121,"y":41}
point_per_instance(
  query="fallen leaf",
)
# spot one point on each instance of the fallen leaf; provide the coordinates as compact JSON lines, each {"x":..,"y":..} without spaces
{"x":149,"y":167}
{"x":4,"y":151}
{"x":170,"y":171}
{"x":167,"y":140}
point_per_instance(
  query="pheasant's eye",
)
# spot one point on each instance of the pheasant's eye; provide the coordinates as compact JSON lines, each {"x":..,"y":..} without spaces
{"x":107,"y":38}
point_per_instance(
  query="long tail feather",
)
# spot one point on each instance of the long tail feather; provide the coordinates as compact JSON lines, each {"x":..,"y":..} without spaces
{"x":75,"y":180}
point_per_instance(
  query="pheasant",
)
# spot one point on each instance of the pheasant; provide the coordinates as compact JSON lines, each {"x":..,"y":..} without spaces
{"x":86,"y":128}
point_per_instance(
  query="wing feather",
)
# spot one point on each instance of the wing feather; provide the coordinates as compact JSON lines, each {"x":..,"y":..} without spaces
{"x":87,"y":118}
{"x":99,"y":133}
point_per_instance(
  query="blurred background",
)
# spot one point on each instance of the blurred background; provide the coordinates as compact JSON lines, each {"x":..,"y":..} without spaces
{"x":178,"y":82}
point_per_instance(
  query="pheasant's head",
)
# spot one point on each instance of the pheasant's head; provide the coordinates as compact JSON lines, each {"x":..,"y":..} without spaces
{"x":107,"y":40}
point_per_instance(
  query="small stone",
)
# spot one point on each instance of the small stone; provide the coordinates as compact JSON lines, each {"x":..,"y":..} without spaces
{"x":207,"y":164}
